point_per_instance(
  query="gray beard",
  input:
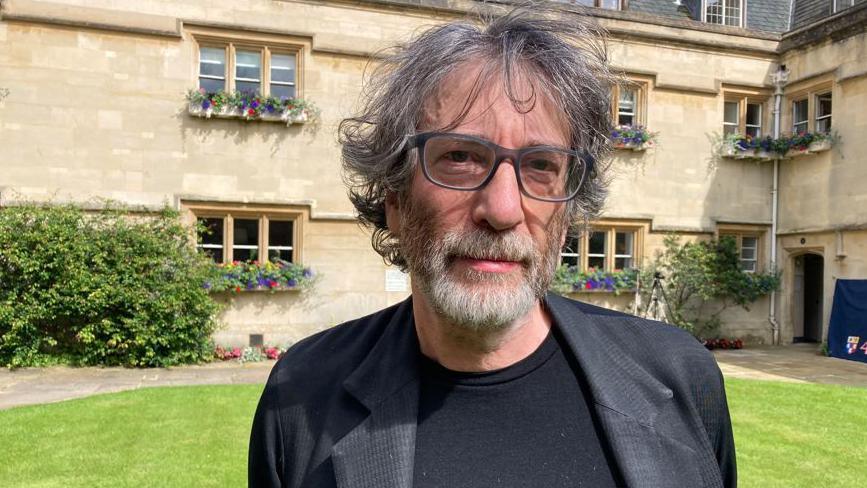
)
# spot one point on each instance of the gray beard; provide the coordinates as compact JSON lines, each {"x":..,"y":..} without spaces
{"x":472,"y":300}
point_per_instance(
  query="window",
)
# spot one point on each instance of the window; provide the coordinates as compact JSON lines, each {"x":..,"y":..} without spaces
{"x":571,"y":253}
{"x":742,"y":114}
{"x":723,"y":12}
{"x":263,"y":69}
{"x":800,"y":120}
{"x":248,"y":233}
{"x":748,"y":240}
{"x":606,"y":4}
{"x":839,"y":5}
{"x":823,"y":112}
{"x":627,"y":101}
{"x":608,"y":249}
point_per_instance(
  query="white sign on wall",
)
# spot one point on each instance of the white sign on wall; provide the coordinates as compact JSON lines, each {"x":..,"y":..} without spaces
{"x":396,"y":280}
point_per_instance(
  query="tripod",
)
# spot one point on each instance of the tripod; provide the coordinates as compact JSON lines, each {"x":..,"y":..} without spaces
{"x":658,"y":304}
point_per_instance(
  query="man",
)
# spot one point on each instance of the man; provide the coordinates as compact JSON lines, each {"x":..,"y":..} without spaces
{"x":475,"y":151}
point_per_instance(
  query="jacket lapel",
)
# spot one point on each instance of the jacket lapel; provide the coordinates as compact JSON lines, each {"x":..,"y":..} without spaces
{"x":379,"y":452}
{"x":629,"y":401}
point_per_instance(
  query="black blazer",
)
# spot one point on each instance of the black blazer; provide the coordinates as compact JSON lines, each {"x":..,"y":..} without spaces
{"x":340,"y":408}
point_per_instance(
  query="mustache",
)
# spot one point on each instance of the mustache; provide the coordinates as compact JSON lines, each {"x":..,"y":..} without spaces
{"x":480,"y":244}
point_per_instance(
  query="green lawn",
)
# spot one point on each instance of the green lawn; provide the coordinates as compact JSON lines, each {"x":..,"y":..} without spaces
{"x":787,"y":435}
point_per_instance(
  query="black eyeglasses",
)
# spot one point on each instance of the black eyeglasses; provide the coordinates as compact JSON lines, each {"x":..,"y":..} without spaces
{"x":468,"y":163}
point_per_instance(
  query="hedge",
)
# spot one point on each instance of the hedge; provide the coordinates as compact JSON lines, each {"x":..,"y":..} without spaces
{"x":101,"y":288}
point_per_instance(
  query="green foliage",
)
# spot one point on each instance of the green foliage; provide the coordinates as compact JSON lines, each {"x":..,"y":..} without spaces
{"x":701,"y":275}
{"x":278,"y":275}
{"x":570,"y":279}
{"x":105,"y":288}
{"x":252,"y":105}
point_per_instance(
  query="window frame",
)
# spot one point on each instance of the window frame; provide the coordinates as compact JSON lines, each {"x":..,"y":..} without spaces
{"x":816,"y":117}
{"x":266,"y":45}
{"x":745,"y":97}
{"x":809,"y":90}
{"x":262,"y":213}
{"x":610,"y":228}
{"x":742,"y":13}
{"x":739,"y":232}
{"x":640,"y":87}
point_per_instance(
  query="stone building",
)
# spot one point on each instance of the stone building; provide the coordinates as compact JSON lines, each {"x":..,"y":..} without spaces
{"x":93,"y":106}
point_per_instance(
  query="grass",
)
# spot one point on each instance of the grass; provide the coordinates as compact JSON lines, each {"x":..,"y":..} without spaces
{"x":798,"y":435}
{"x":787,"y":435}
{"x":173,"y":436}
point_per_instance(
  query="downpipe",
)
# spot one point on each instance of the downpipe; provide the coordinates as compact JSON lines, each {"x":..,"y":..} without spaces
{"x":779,"y":78}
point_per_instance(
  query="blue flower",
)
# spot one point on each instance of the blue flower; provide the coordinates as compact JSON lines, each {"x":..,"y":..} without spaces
{"x":206,"y":104}
{"x":308,"y":273}
{"x":291,"y":283}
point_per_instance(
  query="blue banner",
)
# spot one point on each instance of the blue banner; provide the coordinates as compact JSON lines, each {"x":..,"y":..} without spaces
{"x":847,"y":333}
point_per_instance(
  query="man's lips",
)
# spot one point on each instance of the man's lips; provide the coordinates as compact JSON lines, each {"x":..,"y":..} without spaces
{"x":489,"y":265}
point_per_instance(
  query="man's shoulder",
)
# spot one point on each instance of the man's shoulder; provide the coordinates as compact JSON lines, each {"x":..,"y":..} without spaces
{"x":328,"y":357}
{"x":639,"y":337}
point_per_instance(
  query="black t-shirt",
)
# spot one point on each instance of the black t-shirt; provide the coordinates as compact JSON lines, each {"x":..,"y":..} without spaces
{"x":527,"y":425}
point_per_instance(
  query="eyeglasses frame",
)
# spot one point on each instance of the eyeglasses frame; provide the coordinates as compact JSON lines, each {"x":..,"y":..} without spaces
{"x":501,"y":154}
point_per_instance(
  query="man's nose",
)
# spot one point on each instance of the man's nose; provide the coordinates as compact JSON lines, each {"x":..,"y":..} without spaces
{"x":499,"y":203}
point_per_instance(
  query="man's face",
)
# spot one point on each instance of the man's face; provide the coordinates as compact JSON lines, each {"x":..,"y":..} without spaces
{"x":483,"y":258}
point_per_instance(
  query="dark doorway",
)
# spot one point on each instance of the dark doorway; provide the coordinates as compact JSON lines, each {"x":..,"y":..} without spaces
{"x":814,"y":272}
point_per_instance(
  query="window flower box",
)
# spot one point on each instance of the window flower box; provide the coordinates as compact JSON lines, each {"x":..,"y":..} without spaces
{"x":247,"y":276}
{"x":249,"y":107}
{"x":570,"y":279}
{"x":737,"y":146}
{"x":632,"y":138}
{"x":819,"y":146}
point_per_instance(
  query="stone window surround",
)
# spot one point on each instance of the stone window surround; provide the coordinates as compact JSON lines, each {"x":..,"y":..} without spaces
{"x":267,"y":44}
{"x":742,"y":18}
{"x":739,"y":231}
{"x":610,"y":227}
{"x":805,"y":90}
{"x":640,"y":84}
{"x":744,"y":96}
{"x":261,"y":212}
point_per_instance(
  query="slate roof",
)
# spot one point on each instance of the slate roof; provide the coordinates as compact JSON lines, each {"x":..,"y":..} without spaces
{"x":664,"y":8}
{"x":770,"y":15}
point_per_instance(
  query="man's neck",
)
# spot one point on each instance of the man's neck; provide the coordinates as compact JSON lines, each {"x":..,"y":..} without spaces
{"x":463,"y":349}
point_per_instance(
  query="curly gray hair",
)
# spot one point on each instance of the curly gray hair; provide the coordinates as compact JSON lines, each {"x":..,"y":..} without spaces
{"x":566,"y":55}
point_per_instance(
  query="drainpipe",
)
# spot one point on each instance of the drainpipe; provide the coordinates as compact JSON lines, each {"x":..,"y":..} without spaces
{"x":779,"y":79}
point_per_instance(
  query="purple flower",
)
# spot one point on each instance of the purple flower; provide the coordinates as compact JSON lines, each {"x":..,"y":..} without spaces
{"x":206,"y":104}
{"x":609,"y":282}
{"x":255,"y":104}
{"x":291,"y":283}
{"x":206,"y":285}
{"x":308,"y":273}
{"x":250,"y":285}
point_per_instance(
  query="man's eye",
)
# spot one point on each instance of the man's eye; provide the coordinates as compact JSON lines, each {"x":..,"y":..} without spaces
{"x":457,"y":156}
{"x":541,"y":165}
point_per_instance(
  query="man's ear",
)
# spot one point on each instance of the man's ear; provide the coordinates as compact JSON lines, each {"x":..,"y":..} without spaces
{"x":392,"y":213}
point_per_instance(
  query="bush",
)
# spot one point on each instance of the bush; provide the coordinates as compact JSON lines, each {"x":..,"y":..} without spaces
{"x":107,"y":288}
{"x":701,"y":280}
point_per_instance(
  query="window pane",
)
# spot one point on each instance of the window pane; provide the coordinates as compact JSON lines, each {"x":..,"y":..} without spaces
{"x":823,"y":112}
{"x":586,"y":3}
{"x":731,"y":113}
{"x":212,"y":68}
{"x":749,"y":266}
{"x":283,"y":91}
{"x":754,"y":114}
{"x":280,"y":240}
{"x":283,"y":68}
{"x":247,"y":86}
{"x":597,"y":262}
{"x":596,"y":244}
{"x":246,"y":239}
{"x":622,"y":263}
{"x":610,"y":4}
{"x":211,"y":85}
{"x":799,"y":116}
{"x":570,"y":254}
{"x":626,"y":107}
{"x":210,"y":240}
{"x":247,"y":71}
{"x":623,"y":243}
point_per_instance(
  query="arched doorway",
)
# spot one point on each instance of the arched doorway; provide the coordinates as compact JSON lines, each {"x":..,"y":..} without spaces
{"x":807,"y":298}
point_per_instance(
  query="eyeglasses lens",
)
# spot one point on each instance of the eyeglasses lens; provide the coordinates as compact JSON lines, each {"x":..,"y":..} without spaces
{"x":465,"y":164}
